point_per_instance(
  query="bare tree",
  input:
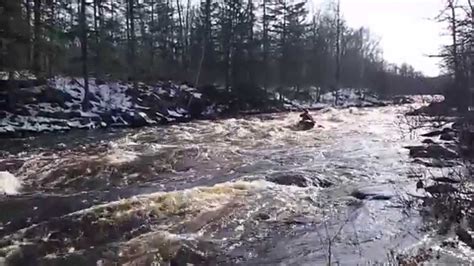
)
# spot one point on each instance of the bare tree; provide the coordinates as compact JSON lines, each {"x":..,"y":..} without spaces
{"x":37,"y":40}
{"x":84,"y":53}
{"x":338,"y":52}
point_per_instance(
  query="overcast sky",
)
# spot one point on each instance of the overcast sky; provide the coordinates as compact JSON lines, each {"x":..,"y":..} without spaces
{"x":406,"y":27}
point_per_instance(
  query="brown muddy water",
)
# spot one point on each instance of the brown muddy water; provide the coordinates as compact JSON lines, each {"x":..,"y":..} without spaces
{"x":249,"y":191}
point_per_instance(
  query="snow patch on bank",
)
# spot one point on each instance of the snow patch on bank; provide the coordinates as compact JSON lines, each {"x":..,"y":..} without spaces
{"x":58,"y":105}
{"x":346,"y":97}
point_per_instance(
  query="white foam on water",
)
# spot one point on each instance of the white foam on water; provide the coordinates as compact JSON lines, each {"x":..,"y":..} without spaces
{"x":118,"y":157}
{"x":9,"y":184}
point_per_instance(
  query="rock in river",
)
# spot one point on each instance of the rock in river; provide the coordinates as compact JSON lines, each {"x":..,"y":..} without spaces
{"x":433,"y":133}
{"x":428,"y":141}
{"x":372,"y":193}
{"x":447,"y":136}
{"x":298,"y":179}
{"x":432,"y":151}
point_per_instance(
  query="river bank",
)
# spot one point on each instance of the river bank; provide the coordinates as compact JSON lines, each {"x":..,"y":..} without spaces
{"x":57,"y":105}
{"x":445,"y":187}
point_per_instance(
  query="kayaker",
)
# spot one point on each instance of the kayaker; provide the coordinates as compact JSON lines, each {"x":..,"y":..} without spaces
{"x":306,"y":117}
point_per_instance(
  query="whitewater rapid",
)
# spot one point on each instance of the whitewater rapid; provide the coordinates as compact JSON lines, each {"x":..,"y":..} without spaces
{"x":205,"y":192}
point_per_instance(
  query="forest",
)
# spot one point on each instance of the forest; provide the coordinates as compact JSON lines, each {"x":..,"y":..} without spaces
{"x":272,"y":44}
{"x":234,"y":132}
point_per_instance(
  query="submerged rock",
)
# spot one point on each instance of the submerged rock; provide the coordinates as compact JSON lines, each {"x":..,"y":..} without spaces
{"x":262,"y":216}
{"x":372,"y":193}
{"x":134,"y":119}
{"x":435,"y":162}
{"x":298,"y":179}
{"x":446,"y":180}
{"x":432,"y":151}
{"x":289,"y":179}
{"x":433,"y":133}
{"x":440,"y":189}
{"x":403,"y":100}
{"x":465,"y":237}
{"x":428,"y":141}
{"x":447,"y":136}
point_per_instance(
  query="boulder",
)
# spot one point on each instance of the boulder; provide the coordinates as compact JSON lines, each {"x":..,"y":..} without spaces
{"x":262,"y":216}
{"x":59,"y":124}
{"x":432,"y":151}
{"x":403,"y":100}
{"x":83,"y":122}
{"x":106,"y":117}
{"x":11,"y":165}
{"x":443,"y":179}
{"x":196,"y":108}
{"x":134,"y":119}
{"x":22,"y":111}
{"x":299,"y":180}
{"x":289,"y":179}
{"x":3,"y":114}
{"x":433,"y":133}
{"x":189,"y":254}
{"x":458,"y":125}
{"x":440,"y":189}
{"x":433,"y":109}
{"x":428,"y":141}
{"x":51,"y":95}
{"x":448,"y":136}
{"x":372,"y":193}
{"x":465,"y":236}
{"x":60,"y":114}
{"x":435,"y":163}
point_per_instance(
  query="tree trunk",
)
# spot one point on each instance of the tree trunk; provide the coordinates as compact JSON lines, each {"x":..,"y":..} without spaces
{"x":131,"y":9}
{"x":152,"y":37}
{"x":180,"y":41}
{"x":50,"y":50}
{"x":112,"y":15}
{"x":187,"y":41}
{"x":460,"y":88}
{"x":28,"y":29}
{"x":127,"y":27}
{"x":338,"y":52}
{"x":37,"y":40}
{"x":471,"y":52}
{"x":98,"y":67}
{"x":84,"y":55}
{"x":265,"y":45}
{"x":205,"y":42}
{"x":11,"y":91}
{"x":251,"y":43}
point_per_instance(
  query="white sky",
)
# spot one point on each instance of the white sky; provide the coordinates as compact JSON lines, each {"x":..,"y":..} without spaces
{"x":407,"y":29}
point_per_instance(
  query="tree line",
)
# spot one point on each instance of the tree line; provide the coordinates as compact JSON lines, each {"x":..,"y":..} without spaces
{"x":458,"y":56}
{"x":234,"y":43}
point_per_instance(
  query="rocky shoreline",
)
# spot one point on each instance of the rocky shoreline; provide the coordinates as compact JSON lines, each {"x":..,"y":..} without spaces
{"x":448,"y":195}
{"x":56,"y":105}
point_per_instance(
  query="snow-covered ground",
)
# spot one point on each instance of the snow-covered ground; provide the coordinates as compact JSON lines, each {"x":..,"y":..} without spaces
{"x":57,"y":105}
{"x":347,"y":97}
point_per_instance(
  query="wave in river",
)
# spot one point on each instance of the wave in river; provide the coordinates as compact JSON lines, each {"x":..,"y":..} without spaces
{"x":9,"y":184}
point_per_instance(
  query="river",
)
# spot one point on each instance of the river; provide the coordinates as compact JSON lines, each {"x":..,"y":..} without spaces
{"x":205,"y":193}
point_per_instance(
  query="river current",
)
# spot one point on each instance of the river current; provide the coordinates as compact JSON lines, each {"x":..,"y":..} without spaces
{"x":215,"y":192}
